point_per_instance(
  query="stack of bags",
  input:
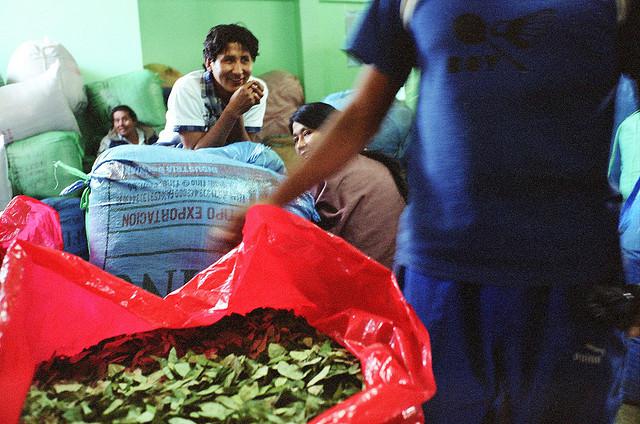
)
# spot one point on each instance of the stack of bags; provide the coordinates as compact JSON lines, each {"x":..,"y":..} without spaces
{"x":38,"y":128}
{"x":156,"y":215}
{"x":146,"y":211}
{"x":394,"y":134}
{"x":48,"y":115}
{"x":44,"y":89}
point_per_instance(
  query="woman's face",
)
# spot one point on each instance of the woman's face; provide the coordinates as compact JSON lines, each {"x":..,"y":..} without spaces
{"x":303,"y":138}
{"x":123,"y":123}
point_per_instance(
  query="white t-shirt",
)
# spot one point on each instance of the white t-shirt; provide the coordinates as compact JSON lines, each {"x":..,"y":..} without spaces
{"x":113,"y":135}
{"x":187,"y":109}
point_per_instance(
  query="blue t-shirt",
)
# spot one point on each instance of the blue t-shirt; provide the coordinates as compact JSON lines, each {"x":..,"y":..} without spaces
{"x":508,"y":171}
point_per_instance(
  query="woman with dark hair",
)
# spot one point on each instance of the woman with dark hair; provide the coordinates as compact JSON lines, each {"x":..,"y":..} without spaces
{"x":125,"y":129}
{"x":360,"y":203}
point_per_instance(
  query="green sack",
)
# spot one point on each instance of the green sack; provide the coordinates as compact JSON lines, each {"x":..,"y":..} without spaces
{"x":140,"y":90}
{"x":31,"y":163}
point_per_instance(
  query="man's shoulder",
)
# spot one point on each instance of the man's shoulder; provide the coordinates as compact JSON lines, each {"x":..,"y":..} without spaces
{"x":189,"y":79}
{"x":186,"y":87}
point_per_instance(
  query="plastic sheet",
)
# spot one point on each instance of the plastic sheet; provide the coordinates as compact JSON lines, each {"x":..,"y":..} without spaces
{"x":53,"y":302}
{"x":26,"y":218}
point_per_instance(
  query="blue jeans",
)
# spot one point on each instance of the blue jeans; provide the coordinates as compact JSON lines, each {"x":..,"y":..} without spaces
{"x":515,"y":354}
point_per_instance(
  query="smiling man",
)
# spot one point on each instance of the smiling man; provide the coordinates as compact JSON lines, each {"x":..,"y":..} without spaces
{"x":125,"y":129}
{"x":223,"y":103}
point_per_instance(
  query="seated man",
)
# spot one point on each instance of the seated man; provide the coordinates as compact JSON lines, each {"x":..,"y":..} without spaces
{"x":224,"y":103}
{"x":126,"y":129}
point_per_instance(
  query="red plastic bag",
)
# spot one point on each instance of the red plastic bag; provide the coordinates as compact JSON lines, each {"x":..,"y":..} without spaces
{"x":53,"y":302}
{"x":25,"y":218}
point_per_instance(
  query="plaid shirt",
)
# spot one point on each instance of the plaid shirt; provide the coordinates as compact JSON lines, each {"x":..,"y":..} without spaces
{"x":212,"y":103}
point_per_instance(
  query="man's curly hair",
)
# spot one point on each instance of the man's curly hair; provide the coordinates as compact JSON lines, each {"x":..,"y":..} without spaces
{"x":221,"y":35}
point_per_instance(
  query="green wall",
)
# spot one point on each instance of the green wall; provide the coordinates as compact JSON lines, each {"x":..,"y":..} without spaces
{"x":102,"y":36}
{"x":326,"y":68}
{"x":173,"y":31}
{"x":304,"y":37}
{"x":108,"y":38}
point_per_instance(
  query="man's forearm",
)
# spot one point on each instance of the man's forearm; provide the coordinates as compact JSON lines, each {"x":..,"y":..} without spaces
{"x":239,"y":132}
{"x":342,"y":137}
{"x":216,"y":136}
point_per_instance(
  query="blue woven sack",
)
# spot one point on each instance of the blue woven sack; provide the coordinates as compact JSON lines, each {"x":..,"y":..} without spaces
{"x":150,"y":208}
{"x":393,"y":136}
{"x":72,"y":224}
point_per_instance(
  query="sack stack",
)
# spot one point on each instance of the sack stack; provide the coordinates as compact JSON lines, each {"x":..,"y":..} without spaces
{"x":140,"y":90}
{"x":37,"y":117}
{"x":153,"y":211}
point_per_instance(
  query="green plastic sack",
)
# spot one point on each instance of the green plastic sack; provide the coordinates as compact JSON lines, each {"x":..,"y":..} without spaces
{"x":31,"y":163}
{"x":140,"y":90}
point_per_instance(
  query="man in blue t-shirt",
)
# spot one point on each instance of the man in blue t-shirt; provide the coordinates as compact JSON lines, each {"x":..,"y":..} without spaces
{"x":507,"y":225}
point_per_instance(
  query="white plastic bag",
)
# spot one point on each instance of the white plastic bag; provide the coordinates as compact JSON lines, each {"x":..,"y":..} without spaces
{"x":33,"y":58}
{"x":35,"y":106}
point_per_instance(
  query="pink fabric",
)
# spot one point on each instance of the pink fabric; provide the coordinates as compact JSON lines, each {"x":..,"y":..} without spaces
{"x":361,"y":204}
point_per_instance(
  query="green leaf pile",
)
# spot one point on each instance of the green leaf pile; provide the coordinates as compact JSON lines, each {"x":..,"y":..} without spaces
{"x":268,"y":366}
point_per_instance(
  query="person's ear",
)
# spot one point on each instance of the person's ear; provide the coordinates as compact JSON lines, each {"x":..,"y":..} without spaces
{"x":207,"y":63}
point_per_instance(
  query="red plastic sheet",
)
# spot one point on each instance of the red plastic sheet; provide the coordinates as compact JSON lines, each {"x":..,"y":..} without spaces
{"x":26,"y":218}
{"x":52,"y":302}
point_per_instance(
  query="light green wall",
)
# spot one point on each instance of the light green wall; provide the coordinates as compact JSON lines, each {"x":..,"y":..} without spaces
{"x":304,"y":37}
{"x":323,"y":35}
{"x":102,"y":36}
{"x":108,"y":38}
{"x":173,"y":31}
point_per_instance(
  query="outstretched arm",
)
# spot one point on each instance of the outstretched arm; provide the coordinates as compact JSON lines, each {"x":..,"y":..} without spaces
{"x":343,"y":136}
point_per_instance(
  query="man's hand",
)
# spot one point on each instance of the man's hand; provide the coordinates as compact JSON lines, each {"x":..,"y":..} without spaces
{"x":230,"y":234}
{"x":245,"y":98}
{"x":230,"y":123}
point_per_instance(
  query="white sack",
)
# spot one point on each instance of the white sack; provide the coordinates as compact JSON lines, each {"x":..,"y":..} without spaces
{"x":35,"y":106}
{"x":32,"y":58}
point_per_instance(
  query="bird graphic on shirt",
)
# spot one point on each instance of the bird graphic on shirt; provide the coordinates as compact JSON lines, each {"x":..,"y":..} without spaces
{"x":522,"y":32}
